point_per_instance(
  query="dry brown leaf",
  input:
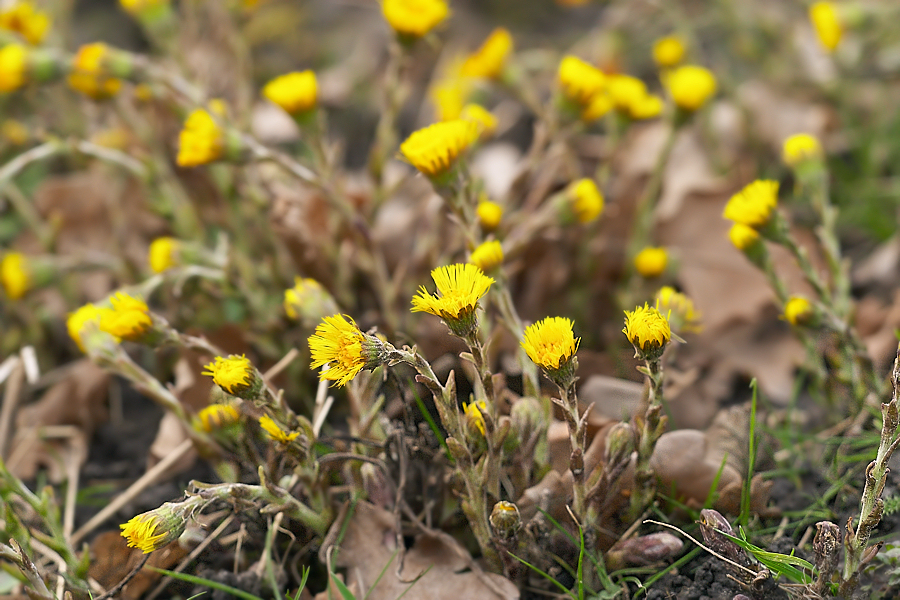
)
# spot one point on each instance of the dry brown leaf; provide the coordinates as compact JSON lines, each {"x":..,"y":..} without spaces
{"x":447,"y":572}
{"x":112,"y":560}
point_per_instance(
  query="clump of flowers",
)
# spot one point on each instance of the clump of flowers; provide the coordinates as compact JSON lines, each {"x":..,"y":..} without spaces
{"x":203,"y":140}
{"x":691,"y":86}
{"x":753,"y":206}
{"x":26,"y":20}
{"x":89,"y":72}
{"x":296,"y":92}
{"x":459,"y":288}
{"x":236,"y":375}
{"x":651,"y":262}
{"x":580,"y":81}
{"x":414,"y":18}
{"x":340,"y":344}
{"x":489,"y":60}
{"x":435,"y":149}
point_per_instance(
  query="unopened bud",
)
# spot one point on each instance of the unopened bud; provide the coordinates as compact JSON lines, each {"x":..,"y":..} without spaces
{"x":620,"y":443}
{"x":505,"y":520}
{"x":152,"y":530}
{"x":457,"y":450}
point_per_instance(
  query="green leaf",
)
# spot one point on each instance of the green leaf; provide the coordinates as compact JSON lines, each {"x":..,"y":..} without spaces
{"x":207,"y":582}
{"x":345,"y":592}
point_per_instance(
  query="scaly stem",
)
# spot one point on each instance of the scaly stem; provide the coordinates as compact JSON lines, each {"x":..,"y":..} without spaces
{"x":651,"y":428}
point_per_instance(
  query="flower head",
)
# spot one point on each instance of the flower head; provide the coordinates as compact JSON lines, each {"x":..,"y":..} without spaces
{"x":163,"y":254}
{"x":743,"y":236}
{"x":682,"y":314}
{"x":668,"y":52}
{"x":459,"y":287}
{"x":488,"y":61}
{"x":338,"y":342}
{"x":88,"y":74}
{"x":128,"y":319}
{"x":753,"y":205}
{"x":295,"y":92}
{"x":550,"y":343}
{"x":584,"y":200}
{"x":154,"y":529}
{"x":651,"y":262}
{"x":828,"y":26}
{"x":489,"y":214}
{"x":275,"y":432}
{"x":88,"y":316}
{"x":435,"y":149}
{"x":202,"y":140}
{"x":308,"y":301}
{"x":648,"y":331}
{"x":474,"y":418}
{"x":414,"y":18}
{"x":648,"y":107}
{"x":579,"y":80}
{"x":23,"y":18}
{"x":217,"y":416}
{"x":449,"y":95}
{"x":505,"y":519}
{"x":691,"y":86}
{"x":625,"y":91}
{"x":236,"y":375}
{"x":15,"y":275}
{"x":801,"y":148}
{"x":13,"y":67}
{"x":487,"y":256}
{"x":482,"y":117}
{"x":798,"y":311}
{"x":600,"y":104}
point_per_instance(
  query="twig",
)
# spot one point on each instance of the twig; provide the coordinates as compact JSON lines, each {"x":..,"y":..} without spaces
{"x":10,"y":400}
{"x":282,"y":364}
{"x":713,"y":552}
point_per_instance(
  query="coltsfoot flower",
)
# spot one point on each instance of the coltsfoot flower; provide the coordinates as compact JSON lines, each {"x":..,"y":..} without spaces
{"x":296,"y":92}
{"x":90,"y":73}
{"x":13,"y":67}
{"x":801,"y":148}
{"x":489,"y":60}
{"x":414,"y":18}
{"x":435,"y":149}
{"x":482,"y":117}
{"x":26,"y":20}
{"x":459,"y":287}
{"x":487,"y":256}
{"x":753,"y":205}
{"x":625,"y":90}
{"x":489,"y":214}
{"x":648,"y":331}
{"x":308,"y":302}
{"x":217,"y":416}
{"x":651,"y":262}
{"x":236,"y":375}
{"x":505,"y":519}
{"x":275,"y":432}
{"x":551,"y":344}
{"x":449,"y":95}
{"x":202,"y":140}
{"x":799,"y":311}
{"x":583,"y":200}
{"x":128,"y":319}
{"x":668,"y":52}
{"x":81,"y":322}
{"x":743,"y":236}
{"x":682,"y":314}
{"x":152,"y":530}
{"x":580,"y":81}
{"x":648,"y":107}
{"x":597,"y":108}
{"x":15,"y":275}
{"x":164,"y":254}
{"x":825,"y":21}
{"x":474,"y":418}
{"x":691,"y":86}
{"x":338,"y":342}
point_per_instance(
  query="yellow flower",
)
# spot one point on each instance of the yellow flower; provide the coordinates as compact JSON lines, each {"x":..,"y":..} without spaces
{"x":482,"y":117}
{"x":414,"y":18}
{"x":217,"y":416}
{"x":275,"y":432}
{"x":435,"y":149}
{"x":579,"y":80}
{"x":128,"y":319}
{"x":24,"y":19}
{"x":474,"y":418}
{"x":488,"y":61}
{"x":800,"y":148}
{"x":648,"y":330}
{"x":682,"y":314}
{"x":295,"y":92}
{"x":235,"y":375}
{"x":88,"y":73}
{"x":487,"y":256}
{"x":585,"y":200}
{"x":825,"y":21}
{"x":449,"y":96}
{"x":668,"y":52}
{"x":202,"y":140}
{"x":163,"y":254}
{"x":338,"y":342}
{"x":651,"y":262}
{"x":648,"y":107}
{"x":625,"y":90}
{"x":154,"y":529}
{"x":308,"y":302}
{"x":15,"y":275}
{"x":753,"y":205}
{"x":550,"y":343}
{"x":798,"y":311}
{"x":597,"y":108}
{"x":743,"y":236}
{"x":691,"y":86}
{"x":489,"y":214}
{"x":459,"y":287}
{"x":81,"y":318}
{"x":13,"y":63}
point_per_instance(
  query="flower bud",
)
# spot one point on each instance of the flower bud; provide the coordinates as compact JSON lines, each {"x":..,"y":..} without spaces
{"x":620,"y":443}
{"x":236,"y":375}
{"x":308,"y":302}
{"x":505,"y":520}
{"x":159,"y":527}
